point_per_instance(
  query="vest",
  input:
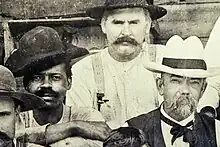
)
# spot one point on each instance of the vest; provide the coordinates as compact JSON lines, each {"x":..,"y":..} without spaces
{"x":150,"y":124}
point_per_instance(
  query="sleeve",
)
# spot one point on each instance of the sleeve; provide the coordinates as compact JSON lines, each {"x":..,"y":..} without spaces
{"x":217,"y":124}
{"x":81,"y":92}
{"x":87,"y":114}
{"x":77,"y":142}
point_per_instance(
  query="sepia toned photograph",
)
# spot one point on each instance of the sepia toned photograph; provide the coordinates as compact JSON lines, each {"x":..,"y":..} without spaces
{"x":109,"y":73}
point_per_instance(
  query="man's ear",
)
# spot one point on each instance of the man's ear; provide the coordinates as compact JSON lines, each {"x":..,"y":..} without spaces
{"x":103,"y":23}
{"x":203,"y":87}
{"x":160,"y":85}
{"x":69,"y":83}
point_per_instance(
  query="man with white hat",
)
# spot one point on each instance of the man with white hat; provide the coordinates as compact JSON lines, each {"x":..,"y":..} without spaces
{"x":114,"y":81}
{"x":182,"y":84}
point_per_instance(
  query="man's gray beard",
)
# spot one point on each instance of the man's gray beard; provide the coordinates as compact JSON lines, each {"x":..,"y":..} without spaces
{"x":183,"y":110}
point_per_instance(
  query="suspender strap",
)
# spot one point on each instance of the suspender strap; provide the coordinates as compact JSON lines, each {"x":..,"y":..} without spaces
{"x":99,"y":80}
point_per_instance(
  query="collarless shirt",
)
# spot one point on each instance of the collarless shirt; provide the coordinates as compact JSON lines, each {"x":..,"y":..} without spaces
{"x":129,"y":87}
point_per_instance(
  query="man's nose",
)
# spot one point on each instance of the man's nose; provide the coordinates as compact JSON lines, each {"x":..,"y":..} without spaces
{"x":46,"y":82}
{"x":126,"y":29}
{"x":185,"y":89}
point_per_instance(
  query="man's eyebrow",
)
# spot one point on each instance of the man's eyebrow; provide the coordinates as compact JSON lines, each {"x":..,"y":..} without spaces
{"x":117,"y":20}
{"x":175,"y":76}
{"x":134,"y":21}
{"x":196,"y":79}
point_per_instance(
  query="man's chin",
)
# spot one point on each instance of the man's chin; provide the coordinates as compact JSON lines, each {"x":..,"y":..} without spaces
{"x":50,"y":105}
{"x":185,"y":111}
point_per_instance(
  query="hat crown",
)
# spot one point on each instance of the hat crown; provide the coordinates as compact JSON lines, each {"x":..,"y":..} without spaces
{"x":7,"y":80}
{"x":190,"y":48}
{"x":183,"y":54}
{"x":127,"y":2}
{"x":40,"y":40}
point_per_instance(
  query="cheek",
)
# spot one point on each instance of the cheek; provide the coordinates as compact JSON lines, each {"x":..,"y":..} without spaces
{"x":196,"y":93}
{"x":60,"y":87}
{"x":33,"y":87}
{"x":112,"y":36}
{"x":7,"y":125}
{"x":170,"y":92}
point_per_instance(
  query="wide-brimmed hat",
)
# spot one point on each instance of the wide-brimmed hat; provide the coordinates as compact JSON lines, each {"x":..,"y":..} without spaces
{"x":38,"y":47}
{"x":27,"y":101}
{"x":184,"y":58}
{"x":155,"y":11}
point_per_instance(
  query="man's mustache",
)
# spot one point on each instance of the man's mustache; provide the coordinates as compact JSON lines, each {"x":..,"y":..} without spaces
{"x":175,"y":104}
{"x":126,"y":39}
{"x":46,"y":92}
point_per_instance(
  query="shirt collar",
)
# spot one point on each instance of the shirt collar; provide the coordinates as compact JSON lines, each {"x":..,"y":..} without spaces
{"x":182,"y":123}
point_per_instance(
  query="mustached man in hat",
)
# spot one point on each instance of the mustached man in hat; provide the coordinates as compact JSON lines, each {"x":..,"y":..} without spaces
{"x":43,"y":60}
{"x":11,"y":103}
{"x":114,"y":81}
{"x":182,"y":84}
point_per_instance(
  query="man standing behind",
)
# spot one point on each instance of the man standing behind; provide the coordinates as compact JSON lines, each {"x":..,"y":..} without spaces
{"x":115,"y":81}
{"x":44,"y":62}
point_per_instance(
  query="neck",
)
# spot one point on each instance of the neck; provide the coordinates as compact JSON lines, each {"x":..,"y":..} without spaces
{"x":120,"y":57}
{"x":48,"y":115}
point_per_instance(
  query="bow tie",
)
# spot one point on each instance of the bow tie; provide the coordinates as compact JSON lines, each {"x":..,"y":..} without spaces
{"x":178,"y":131}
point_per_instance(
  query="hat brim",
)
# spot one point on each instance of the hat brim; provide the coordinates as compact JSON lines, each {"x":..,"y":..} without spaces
{"x":27,"y":101}
{"x":156,"y":12}
{"x":44,"y":60}
{"x":194,"y":73}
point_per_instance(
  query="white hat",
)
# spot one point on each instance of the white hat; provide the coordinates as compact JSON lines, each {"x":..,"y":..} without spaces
{"x":183,"y":58}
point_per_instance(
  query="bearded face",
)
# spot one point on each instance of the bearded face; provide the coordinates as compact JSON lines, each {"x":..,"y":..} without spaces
{"x":181,"y":94}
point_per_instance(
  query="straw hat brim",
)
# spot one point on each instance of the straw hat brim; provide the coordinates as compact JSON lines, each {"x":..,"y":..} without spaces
{"x":194,"y":73}
{"x":27,"y":101}
{"x":156,"y":12}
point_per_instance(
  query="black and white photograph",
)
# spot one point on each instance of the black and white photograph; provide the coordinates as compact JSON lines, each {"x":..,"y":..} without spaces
{"x":109,"y":73}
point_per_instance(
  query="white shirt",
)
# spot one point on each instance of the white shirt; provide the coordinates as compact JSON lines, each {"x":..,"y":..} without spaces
{"x":130,"y":88}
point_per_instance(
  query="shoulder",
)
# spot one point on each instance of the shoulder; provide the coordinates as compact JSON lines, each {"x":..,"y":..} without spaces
{"x":85,"y":113}
{"x":85,"y":63}
{"x":142,"y":120}
{"x":24,"y":120}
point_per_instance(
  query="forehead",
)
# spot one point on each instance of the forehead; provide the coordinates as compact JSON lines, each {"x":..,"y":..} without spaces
{"x":167,"y":75}
{"x":126,"y":13}
{"x":60,"y":69}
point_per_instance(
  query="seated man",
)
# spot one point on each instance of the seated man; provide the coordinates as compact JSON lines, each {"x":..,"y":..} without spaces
{"x":44,"y":63}
{"x":125,"y":137}
{"x":11,"y":102}
{"x":182,"y":84}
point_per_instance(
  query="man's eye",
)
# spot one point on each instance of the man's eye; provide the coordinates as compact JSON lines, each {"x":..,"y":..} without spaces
{"x":133,"y":22}
{"x":5,"y":113}
{"x":176,"y":81}
{"x":195,"y":82}
{"x":37,"y":78}
{"x":56,"y":78}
